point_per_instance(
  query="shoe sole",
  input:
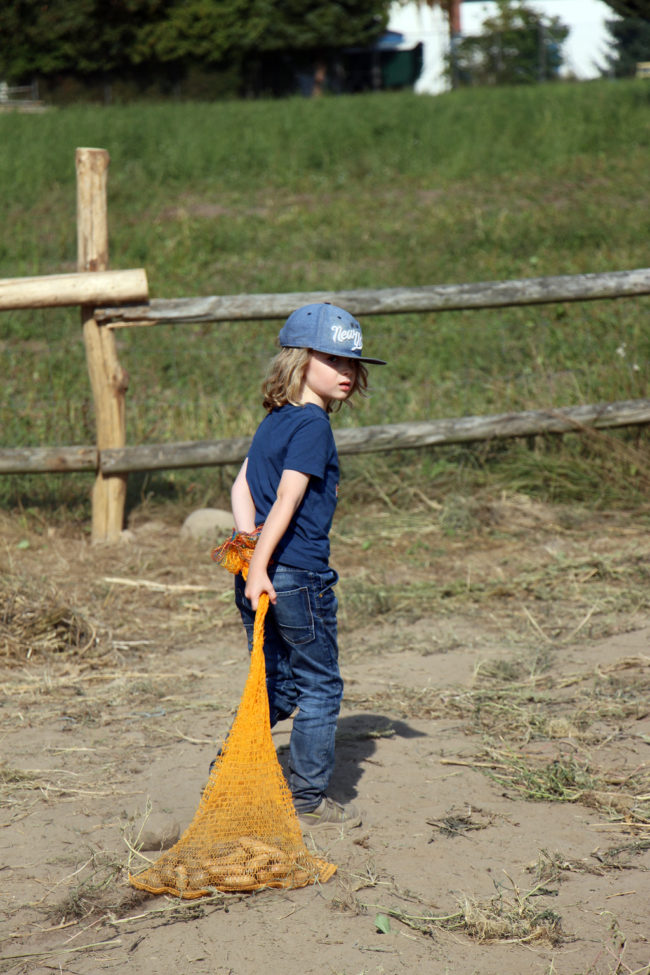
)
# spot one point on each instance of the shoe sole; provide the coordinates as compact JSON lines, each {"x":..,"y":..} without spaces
{"x":342,"y":824}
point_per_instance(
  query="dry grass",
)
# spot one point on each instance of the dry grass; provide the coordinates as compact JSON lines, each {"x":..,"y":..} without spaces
{"x":541,"y":706}
{"x":558,"y":603}
{"x":568,"y":712}
{"x":566,"y":780}
{"x":34,"y":624}
{"x":510,"y":915}
{"x":458,"y":822}
{"x":551,"y":867}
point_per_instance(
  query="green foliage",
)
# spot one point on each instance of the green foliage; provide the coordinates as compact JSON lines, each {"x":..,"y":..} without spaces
{"x":207,"y":31}
{"x":83,"y":36}
{"x":631,"y":43}
{"x":310,"y":26}
{"x":631,"y":8}
{"x":518,"y":45}
{"x":94,"y":37}
{"x":382,"y":923}
{"x":476,"y":185}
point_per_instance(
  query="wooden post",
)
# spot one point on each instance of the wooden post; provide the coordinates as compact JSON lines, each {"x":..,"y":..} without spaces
{"x":107,"y":378}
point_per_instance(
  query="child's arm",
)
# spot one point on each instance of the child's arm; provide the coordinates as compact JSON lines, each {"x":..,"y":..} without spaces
{"x":241,"y":500}
{"x":291,"y":491}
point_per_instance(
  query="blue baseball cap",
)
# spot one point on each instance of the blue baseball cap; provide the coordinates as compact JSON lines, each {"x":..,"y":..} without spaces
{"x":325,"y":328}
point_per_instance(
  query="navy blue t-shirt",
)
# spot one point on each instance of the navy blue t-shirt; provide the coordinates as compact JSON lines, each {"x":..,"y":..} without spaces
{"x":297,"y":438}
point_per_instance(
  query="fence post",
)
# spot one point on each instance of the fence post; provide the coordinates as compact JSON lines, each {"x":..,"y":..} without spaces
{"x":107,"y":378}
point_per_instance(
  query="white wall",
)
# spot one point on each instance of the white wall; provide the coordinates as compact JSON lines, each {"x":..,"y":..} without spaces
{"x":588,"y":41}
{"x":583,"y":51}
{"x":418,"y":22}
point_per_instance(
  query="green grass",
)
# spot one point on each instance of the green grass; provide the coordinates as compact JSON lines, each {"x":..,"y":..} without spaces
{"x":350,"y":192}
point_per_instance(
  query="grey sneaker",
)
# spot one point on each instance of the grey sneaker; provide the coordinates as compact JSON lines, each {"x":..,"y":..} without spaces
{"x":331,"y":813}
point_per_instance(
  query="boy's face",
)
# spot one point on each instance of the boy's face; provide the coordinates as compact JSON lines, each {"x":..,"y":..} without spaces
{"x":328,"y":378}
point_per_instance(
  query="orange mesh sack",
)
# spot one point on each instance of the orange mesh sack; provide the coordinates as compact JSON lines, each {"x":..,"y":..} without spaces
{"x":245,"y":834}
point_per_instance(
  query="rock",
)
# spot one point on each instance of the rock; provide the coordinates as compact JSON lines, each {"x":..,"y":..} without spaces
{"x":208,"y":523}
{"x":159,"y":834}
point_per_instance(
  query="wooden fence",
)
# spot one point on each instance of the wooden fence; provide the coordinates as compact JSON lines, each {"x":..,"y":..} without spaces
{"x":116,"y":299}
{"x":23,"y":98}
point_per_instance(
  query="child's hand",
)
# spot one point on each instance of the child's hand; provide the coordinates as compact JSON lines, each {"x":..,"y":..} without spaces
{"x":256,"y":584}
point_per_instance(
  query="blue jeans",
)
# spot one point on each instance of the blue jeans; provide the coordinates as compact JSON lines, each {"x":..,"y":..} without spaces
{"x":302,"y":671}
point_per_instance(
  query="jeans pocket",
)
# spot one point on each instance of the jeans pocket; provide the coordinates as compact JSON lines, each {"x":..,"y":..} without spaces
{"x":327,"y":604}
{"x":293,"y":616}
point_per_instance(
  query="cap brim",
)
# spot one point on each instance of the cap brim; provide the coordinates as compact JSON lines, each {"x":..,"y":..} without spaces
{"x":354,"y":358}
{"x":364,"y":358}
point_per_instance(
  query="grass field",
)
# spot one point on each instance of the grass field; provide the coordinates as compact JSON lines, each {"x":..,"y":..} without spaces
{"x":365,"y":191}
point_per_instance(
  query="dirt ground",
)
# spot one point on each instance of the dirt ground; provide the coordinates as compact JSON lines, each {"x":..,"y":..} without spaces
{"x":495,"y":733}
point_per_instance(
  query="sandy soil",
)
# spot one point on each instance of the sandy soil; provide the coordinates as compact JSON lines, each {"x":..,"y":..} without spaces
{"x":495,"y":732}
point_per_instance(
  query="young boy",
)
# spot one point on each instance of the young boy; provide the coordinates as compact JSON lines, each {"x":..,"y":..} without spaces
{"x":288,"y":485}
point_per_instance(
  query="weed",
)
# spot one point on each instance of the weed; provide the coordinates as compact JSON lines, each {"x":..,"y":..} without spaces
{"x":510,"y":915}
{"x":551,"y":866}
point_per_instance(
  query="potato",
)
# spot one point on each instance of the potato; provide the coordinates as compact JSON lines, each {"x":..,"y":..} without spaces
{"x":198,"y":879}
{"x":282,"y":868}
{"x":299,"y":878}
{"x":255,"y":846}
{"x":181,"y":878}
{"x":167,"y":874}
{"x":227,"y":859}
{"x":258,"y":862}
{"x":218,"y":872}
{"x":238,"y":881}
{"x":284,"y":873}
{"x":267,"y":877}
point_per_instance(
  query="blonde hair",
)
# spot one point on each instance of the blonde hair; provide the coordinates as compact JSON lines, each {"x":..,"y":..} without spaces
{"x":286,"y":374}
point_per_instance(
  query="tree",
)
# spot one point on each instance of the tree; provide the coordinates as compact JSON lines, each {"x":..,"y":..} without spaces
{"x":297,"y":25}
{"x":85,"y":37}
{"x":631,"y":8}
{"x":518,"y":45}
{"x":631,"y":44}
{"x":40,"y":38}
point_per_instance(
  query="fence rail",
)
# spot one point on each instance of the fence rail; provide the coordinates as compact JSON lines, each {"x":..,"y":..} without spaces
{"x":386,"y":301}
{"x":59,"y":290}
{"x":10,"y":93}
{"x":372,"y":439}
{"x":392,"y":436}
{"x":110,"y":300}
{"x":48,"y":460}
